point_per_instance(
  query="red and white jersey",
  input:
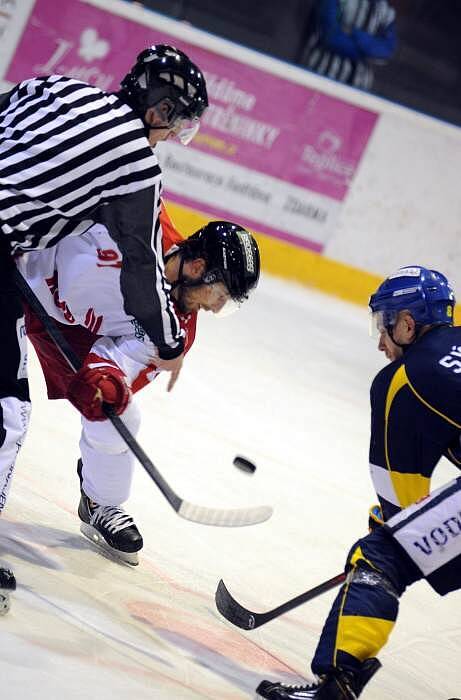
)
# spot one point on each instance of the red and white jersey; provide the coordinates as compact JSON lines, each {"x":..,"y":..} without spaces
{"x":78,"y":283}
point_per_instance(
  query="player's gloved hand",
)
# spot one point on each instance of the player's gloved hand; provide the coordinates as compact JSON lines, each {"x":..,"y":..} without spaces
{"x":375,"y":517}
{"x":96,"y":383}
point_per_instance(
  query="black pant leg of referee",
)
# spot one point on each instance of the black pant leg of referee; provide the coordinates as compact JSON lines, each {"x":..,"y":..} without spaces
{"x":14,"y":387}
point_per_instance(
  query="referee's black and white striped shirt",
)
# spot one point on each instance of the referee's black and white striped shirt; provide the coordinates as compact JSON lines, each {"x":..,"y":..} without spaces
{"x":66,"y":148}
{"x":371,"y":16}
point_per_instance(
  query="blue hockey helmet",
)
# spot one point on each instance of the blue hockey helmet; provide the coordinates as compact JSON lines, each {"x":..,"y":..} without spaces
{"x":426,"y":294}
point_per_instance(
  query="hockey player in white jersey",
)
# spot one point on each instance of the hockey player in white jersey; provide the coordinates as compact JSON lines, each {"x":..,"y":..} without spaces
{"x":52,"y":187}
{"x":78,"y":282}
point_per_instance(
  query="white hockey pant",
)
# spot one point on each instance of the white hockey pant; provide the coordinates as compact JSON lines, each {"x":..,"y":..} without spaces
{"x":13,"y":427}
{"x":107,"y":461}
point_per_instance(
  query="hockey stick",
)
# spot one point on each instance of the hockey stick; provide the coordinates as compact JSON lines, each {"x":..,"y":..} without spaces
{"x":248,"y":620}
{"x":234,"y":517}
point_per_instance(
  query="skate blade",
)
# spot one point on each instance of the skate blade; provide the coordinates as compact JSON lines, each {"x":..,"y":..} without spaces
{"x":4,"y":602}
{"x":128,"y":558}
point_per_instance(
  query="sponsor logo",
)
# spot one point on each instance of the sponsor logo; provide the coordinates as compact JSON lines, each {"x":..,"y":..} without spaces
{"x":402,"y":292}
{"x":306,"y":209}
{"x":225,"y":90}
{"x":325,"y":156}
{"x":245,"y":240}
{"x":139,"y":331}
{"x":92,"y":45}
{"x":406,"y":272}
{"x":440,"y":535}
{"x":228,"y":120}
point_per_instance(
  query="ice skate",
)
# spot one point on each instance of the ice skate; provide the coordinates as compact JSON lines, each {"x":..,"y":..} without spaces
{"x":7,"y":584}
{"x":340,"y":685}
{"x":110,"y":528}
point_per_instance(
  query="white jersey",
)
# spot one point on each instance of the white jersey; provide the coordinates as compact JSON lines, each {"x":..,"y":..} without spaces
{"x":78,"y":283}
{"x":429,"y":532}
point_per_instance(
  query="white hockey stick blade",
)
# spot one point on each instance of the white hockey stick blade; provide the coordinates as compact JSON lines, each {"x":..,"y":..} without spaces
{"x":234,"y":517}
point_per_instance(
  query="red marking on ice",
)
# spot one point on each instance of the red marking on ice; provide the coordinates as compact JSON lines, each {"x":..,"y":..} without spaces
{"x":209,"y":633}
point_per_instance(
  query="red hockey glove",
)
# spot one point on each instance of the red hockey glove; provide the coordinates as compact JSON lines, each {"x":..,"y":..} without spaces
{"x":96,"y":383}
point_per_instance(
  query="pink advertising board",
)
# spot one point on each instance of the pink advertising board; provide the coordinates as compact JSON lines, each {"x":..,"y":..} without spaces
{"x":257,"y":121}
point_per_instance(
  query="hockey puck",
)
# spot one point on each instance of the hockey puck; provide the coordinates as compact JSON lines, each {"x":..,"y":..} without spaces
{"x":244,"y":464}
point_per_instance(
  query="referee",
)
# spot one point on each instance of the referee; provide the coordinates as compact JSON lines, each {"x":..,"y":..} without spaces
{"x":72,"y":155}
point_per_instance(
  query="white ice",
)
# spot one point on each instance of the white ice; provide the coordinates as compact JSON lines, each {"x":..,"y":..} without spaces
{"x":285,"y":383}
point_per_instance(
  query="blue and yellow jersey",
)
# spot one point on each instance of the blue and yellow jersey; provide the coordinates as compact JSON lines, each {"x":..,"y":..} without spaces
{"x":415,"y":418}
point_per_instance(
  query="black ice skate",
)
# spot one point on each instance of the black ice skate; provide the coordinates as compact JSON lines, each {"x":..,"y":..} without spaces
{"x":340,"y":685}
{"x":7,"y":584}
{"x":109,"y":527}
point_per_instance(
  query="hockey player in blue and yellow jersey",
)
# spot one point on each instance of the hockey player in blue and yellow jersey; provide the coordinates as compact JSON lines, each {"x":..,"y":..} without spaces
{"x":416,"y":399}
{"x":421,"y":541}
{"x":416,"y":419}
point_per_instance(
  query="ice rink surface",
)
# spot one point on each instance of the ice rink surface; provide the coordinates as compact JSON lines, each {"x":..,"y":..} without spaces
{"x":285,"y":383}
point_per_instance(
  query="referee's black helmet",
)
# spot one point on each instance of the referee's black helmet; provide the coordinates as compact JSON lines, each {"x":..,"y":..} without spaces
{"x":160,"y":72}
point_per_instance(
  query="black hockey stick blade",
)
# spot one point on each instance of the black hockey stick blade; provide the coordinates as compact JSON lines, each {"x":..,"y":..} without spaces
{"x":241,"y":617}
{"x":231,"y":517}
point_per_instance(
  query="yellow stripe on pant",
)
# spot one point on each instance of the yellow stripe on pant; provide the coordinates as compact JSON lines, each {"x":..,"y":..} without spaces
{"x":362,"y":616}
{"x":362,"y":637}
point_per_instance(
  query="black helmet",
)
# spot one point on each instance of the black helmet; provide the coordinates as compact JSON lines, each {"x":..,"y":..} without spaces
{"x":231,"y":254}
{"x":161,"y":71}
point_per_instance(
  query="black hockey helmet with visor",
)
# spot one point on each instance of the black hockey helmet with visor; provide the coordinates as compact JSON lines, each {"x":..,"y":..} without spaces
{"x":164,"y":74}
{"x":232,"y":258}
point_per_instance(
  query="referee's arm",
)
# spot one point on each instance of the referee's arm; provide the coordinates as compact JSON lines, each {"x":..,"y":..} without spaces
{"x":133,"y":223}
